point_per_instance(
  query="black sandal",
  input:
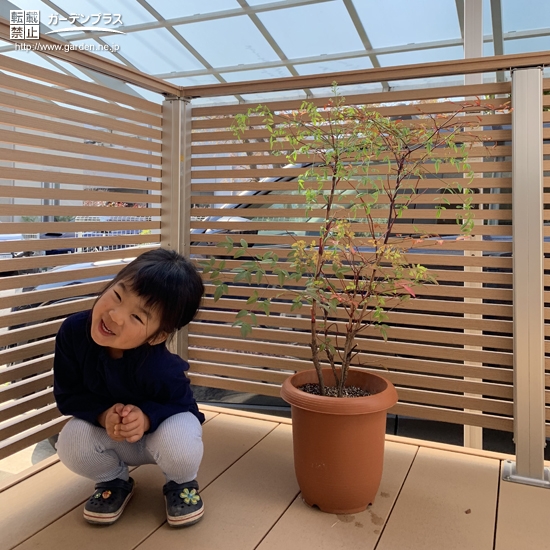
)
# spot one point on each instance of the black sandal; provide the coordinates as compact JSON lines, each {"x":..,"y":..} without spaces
{"x":106,"y":505}
{"x":184,"y":505}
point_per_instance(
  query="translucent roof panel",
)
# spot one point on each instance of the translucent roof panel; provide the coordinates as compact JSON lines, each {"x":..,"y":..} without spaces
{"x":169,"y":9}
{"x":153,"y":51}
{"x":226,"y":42}
{"x":201,"y":42}
{"x":332,"y":32}
{"x":395,"y":22}
{"x":524,"y":16}
{"x":131,"y":12}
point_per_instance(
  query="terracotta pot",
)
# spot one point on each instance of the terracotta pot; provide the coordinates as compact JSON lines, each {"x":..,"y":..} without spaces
{"x":339,"y":442}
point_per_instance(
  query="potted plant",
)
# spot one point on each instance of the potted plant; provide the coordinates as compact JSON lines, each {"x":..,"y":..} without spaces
{"x":362,"y":172}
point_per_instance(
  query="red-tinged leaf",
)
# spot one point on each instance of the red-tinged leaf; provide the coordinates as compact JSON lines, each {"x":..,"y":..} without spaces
{"x":408,"y":289}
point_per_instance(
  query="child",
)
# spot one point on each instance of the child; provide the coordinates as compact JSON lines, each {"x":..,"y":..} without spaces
{"x":129,"y":397}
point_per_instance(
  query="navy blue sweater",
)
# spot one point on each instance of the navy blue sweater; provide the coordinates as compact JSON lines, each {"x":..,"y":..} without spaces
{"x":87,"y":381}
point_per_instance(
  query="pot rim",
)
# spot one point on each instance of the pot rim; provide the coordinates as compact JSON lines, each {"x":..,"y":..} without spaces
{"x":377,"y":402}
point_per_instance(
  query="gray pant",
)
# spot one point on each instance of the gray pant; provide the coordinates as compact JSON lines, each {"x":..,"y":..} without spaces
{"x":176,"y":446}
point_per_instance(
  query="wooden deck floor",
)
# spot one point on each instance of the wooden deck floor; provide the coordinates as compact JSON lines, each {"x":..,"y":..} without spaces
{"x":432,"y":497}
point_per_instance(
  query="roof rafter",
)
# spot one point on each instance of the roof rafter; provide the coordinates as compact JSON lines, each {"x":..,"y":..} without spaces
{"x":364,"y":38}
{"x":498,"y":37}
{"x":270,"y":40}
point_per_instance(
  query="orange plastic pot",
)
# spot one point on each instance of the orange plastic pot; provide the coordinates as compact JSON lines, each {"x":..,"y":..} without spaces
{"x":339,"y":442}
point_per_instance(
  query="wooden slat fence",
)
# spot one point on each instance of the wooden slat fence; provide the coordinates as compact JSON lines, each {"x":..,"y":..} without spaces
{"x":449,"y":351}
{"x":80,"y":191}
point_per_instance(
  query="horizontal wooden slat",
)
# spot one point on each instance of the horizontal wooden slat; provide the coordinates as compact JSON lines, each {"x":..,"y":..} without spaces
{"x":28,"y":421}
{"x":30,"y":437}
{"x":63,"y":113}
{"x":69,"y":178}
{"x":25,"y":370}
{"x":263,"y":145}
{"x":35,"y":279}
{"x":27,"y":351}
{"x":45,"y":312}
{"x":26,"y":404}
{"x":77,"y":163}
{"x":114,"y":222}
{"x":70,"y":82}
{"x":76,"y":147}
{"x":65,"y":259}
{"x":41,"y":193}
{"x":26,"y":387}
{"x":64,"y":96}
{"x":203,"y":189}
{"x":454,"y":417}
{"x":444,"y":168}
{"x":61,"y":293}
{"x":14,"y":336}
{"x":77,"y":131}
{"x":119,"y":241}
{"x":414,"y":110}
{"x":479,"y":120}
{"x":39,"y":210}
{"x":235,"y":385}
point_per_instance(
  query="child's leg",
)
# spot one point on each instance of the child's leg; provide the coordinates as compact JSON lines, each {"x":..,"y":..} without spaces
{"x":88,"y":451}
{"x":176,"y":446}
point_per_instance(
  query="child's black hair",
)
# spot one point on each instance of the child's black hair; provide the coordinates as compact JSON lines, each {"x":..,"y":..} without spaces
{"x":169,"y":285}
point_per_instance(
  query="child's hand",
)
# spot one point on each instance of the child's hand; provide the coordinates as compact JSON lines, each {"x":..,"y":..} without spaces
{"x":133,"y":425}
{"x":110,"y":419}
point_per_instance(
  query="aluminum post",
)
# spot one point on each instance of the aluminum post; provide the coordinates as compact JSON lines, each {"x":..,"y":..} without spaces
{"x":528,"y":265}
{"x":175,"y":222}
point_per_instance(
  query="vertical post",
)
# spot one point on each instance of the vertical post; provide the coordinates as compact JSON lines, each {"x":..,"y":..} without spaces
{"x":528,"y":256}
{"x":473,"y":47}
{"x":175,"y":223}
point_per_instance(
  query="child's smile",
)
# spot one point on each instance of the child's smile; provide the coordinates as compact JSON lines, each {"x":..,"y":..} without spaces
{"x":121,"y":321}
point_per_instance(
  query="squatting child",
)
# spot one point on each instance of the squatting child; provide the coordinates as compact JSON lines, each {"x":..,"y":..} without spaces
{"x":129,"y":397}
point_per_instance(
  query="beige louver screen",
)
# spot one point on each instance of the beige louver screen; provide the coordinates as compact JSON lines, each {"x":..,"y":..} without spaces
{"x":449,"y":351}
{"x":79,"y":184}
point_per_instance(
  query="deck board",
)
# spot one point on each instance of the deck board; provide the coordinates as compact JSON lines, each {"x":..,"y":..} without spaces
{"x":448,"y":497}
{"x":430,"y":497}
{"x":522,"y":522}
{"x":306,"y":528}
{"x":243,"y":503}
{"x":143,"y":515}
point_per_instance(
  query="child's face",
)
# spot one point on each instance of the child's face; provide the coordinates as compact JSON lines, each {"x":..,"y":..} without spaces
{"x":120,"y":320}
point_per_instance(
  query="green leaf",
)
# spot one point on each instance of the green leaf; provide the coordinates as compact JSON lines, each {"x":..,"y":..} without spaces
{"x":219,"y":292}
{"x":265,"y":306}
